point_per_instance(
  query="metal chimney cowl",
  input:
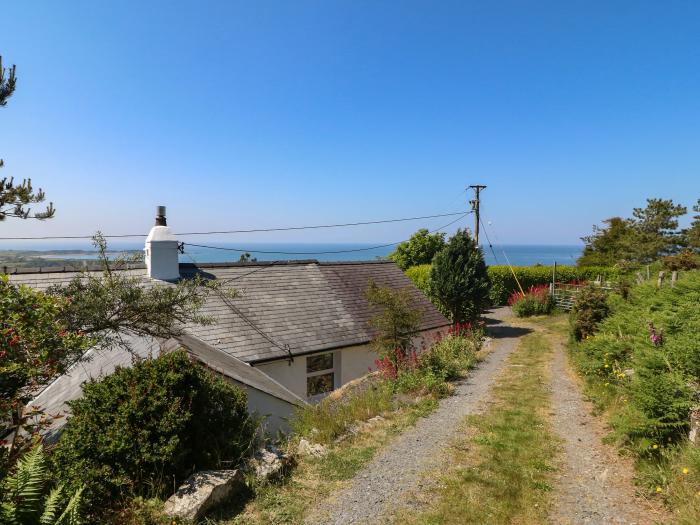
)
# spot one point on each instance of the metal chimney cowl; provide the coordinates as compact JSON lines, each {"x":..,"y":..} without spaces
{"x":161,"y":253}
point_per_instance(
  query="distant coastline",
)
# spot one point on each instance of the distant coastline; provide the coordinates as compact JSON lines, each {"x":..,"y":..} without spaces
{"x":517,"y":255}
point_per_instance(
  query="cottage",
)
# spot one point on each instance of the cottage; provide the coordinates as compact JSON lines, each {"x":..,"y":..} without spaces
{"x":296,"y":331}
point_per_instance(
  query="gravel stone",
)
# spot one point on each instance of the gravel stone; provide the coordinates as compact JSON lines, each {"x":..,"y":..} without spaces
{"x":594,"y":484}
{"x":380,"y":488}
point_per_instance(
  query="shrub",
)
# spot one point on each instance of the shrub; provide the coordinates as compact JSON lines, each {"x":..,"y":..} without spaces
{"x":35,"y":346}
{"x":420,"y":275}
{"x":537,"y":301}
{"x":419,"y":249}
{"x":142,"y":430}
{"x":458,"y":279}
{"x":452,"y":355}
{"x":685,"y":260}
{"x":590,"y":308}
{"x":396,"y":323}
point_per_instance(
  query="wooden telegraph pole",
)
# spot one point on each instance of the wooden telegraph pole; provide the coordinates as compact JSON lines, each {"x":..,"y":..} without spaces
{"x":475,"y":208}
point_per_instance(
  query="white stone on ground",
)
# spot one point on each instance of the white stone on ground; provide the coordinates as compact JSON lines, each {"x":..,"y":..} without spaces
{"x":202,"y":492}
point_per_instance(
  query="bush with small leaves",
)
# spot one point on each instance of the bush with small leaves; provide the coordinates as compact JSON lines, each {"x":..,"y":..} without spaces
{"x":142,"y":430}
{"x":590,"y":308}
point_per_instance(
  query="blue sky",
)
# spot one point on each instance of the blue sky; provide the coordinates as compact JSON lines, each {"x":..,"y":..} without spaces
{"x":247,"y":114}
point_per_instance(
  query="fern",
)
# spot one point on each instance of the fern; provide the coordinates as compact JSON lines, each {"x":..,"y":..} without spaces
{"x":23,"y":495}
{"x":71,"y":514}
{"x":24,"y":489}
{"x":51,"y":507}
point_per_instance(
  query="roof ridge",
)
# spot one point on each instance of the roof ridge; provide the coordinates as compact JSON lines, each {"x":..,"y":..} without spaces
{"x":345,"y":263}
{"x":94,"y":267}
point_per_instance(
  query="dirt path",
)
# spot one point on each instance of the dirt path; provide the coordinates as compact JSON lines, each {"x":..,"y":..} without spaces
{"x":594,"y":484}
{"x":380,"y":488}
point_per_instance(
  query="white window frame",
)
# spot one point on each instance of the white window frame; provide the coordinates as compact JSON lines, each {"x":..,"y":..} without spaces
{"x":335,"y":370}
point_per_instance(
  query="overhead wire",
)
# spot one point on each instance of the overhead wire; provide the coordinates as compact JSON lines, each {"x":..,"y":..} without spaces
{"x":325,"y":252}
{"x":510,"y":266}
{"x":483,"y":227}
{"x":226,"y":300}
{"x":251,"y":230}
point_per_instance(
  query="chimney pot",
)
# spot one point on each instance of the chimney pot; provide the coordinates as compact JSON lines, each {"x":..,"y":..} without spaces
{"x":160,"y":216}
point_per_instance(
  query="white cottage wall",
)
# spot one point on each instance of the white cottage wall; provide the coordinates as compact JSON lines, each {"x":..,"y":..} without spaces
{"x":349,"y":363}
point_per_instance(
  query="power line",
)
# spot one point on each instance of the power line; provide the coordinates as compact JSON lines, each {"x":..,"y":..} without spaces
{"x":489,"y":240}
{"x":329,"y":252}
{"x":252,"y":230}
{"x":510,"y":266}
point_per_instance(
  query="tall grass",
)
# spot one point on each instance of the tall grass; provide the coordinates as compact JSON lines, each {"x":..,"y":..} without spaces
{"x":427,"y":374}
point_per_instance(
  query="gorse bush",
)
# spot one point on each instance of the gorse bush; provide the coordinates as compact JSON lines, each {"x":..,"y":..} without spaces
{"x":590,"y":308}
{"x":642,"y":366}
{"x":142,"y":430}
{"x":536,"y":301}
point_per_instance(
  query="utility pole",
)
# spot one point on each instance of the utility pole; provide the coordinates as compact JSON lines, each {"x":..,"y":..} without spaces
{"x":475,"y":208}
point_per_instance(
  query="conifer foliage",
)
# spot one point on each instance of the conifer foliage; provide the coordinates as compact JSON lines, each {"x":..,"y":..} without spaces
{"x":15,"y":198}
{"x":459,"y":280}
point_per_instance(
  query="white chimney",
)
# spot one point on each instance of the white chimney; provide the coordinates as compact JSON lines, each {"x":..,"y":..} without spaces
{"x":161,"y":250}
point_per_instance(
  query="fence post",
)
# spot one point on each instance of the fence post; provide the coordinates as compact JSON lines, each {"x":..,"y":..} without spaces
{"x":661,"y":279}
{"x":554,"y":277}
{"x":648,"y":274}
{"x":674,"y":278}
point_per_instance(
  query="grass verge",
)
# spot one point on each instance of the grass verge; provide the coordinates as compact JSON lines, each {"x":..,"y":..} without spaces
{"x":314,"y":479}
{"x":501,"y":469}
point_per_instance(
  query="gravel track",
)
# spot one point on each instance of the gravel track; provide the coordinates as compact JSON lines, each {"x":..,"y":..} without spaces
{"x":377,"y":490}
{"x":594,"y":485}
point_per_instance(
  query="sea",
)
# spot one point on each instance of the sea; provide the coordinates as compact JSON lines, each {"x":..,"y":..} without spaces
{"x":209,"y":251}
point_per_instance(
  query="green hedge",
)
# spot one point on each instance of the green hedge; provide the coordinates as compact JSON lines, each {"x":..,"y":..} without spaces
{"x":503,"y":283}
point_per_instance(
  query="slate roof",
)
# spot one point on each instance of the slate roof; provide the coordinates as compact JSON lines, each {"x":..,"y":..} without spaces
{"x":295,"y":307}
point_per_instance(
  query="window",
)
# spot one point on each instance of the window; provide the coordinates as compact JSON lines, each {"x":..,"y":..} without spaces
{"x":320,"y":378}
{"x":318,"y":363}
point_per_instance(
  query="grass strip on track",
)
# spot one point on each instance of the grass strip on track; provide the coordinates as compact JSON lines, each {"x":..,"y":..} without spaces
{"x":501,"y":468}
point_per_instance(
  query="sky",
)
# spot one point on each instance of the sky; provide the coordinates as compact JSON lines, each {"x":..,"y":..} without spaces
{"x":263,"y":113}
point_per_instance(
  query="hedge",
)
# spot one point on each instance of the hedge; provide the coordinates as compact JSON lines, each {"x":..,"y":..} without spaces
{"x":503,"y":283}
